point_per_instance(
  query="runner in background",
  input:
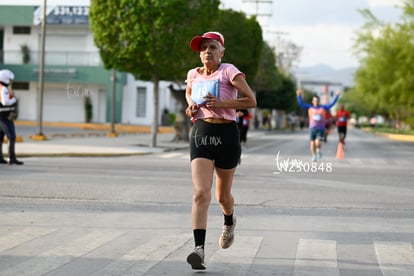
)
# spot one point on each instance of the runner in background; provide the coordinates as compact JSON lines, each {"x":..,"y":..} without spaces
{"x":317,"y":117}
{"x":342,"y":117}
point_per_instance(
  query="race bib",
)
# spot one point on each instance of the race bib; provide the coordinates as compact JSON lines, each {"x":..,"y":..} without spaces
{"x":342,"y":119}
{"x":200,"y":89}
{"x":317,"y":117}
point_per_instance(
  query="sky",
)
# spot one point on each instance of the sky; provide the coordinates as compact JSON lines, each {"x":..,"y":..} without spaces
{"x":324,"y":28}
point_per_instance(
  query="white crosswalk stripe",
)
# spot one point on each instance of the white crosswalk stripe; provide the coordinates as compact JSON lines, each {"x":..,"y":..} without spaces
{"x":91,"y":251}
{"x":171,"y":155}
{"x":18,"y":237}
{"x":175,"y":155}
{"x":141,"y":259}
{"x":395,"y":259}
{"x":240,"y":257}
{"x":61,"y":255}
{"x":316,"y":257}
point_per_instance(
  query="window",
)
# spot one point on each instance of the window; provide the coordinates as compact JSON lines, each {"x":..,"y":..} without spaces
{"x":21,"y":30}
{"x":141,"y":102}
{"x":20,"y":86}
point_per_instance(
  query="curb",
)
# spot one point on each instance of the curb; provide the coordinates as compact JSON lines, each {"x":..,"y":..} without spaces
{"x":398,"y":137}
{"x":74,"y":154}
{"x":391,"y":136}
{"x":144,"y":151}
{"x":102,"y":126}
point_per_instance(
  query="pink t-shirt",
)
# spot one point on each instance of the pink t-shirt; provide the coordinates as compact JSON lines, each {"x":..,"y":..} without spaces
{"x":225,"y":74}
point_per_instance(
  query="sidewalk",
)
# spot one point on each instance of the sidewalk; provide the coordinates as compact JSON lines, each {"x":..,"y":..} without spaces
{"x":91,"y":140}
{"x":126,"y":144}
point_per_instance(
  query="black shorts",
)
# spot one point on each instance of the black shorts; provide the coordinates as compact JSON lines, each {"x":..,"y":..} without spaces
{"x":217,"y":142}
{"x":342,"y":129}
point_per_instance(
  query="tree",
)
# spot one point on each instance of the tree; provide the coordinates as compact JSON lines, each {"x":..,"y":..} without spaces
{"x":274,"y":89}
{"x":384,"y":83}
{"x":243,"y":41}
{"x":149,"y":38}
{"x":288,"y":54}
{"x":281,"y":97}
{"x":268,"y":73}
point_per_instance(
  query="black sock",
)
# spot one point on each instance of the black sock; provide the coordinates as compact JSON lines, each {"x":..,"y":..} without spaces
{"x":199,"y":237}
{"x":228,"y":220}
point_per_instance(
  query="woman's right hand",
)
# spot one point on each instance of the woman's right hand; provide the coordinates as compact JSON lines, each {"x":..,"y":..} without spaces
{"x":191,"y":110}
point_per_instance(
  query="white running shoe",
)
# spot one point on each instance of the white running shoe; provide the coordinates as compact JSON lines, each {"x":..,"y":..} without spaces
{"x":319,"y":154}
{"x":227,"y":236}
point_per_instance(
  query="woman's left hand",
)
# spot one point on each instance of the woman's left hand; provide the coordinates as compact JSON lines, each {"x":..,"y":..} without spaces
{"x":212,"y":102}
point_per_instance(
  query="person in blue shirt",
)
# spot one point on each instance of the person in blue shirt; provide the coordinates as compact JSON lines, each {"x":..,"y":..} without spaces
{"x":317,"y":119}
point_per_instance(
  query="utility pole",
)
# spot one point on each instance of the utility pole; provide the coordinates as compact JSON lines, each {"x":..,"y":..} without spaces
{"x":286,"y":51}
{"x":259,"y":13}
{"x":39,"y":135}
{"x":113,"y":133}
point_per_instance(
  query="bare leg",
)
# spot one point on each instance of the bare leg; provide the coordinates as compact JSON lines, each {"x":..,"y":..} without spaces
{"x":224,"y":181}
{"x":318,"y":144}
{"x":313,"y":147}
{"x":202,"y":176}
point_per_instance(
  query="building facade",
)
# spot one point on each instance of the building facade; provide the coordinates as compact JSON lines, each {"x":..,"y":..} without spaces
{"x":75,"y":79}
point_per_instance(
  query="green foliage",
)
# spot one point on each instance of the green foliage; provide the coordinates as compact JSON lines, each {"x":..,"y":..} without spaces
{"x":268,"y":76}
{"x":25,"y":53}
{"x":149,"y":38}
{"x":280,"y":97}
{"x":274,"y":89}
{"x":243,"y":41}
{"x":384,"y":82}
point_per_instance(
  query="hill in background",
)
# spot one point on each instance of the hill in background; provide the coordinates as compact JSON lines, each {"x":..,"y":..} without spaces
{"x":323,"y":72}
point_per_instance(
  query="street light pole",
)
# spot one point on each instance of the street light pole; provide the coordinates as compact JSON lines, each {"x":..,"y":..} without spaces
{"x":40,"y":135}
{"x":113,"y":133}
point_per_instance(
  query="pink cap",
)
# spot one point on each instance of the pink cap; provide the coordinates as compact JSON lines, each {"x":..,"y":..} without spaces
{"x":196,"y":41}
